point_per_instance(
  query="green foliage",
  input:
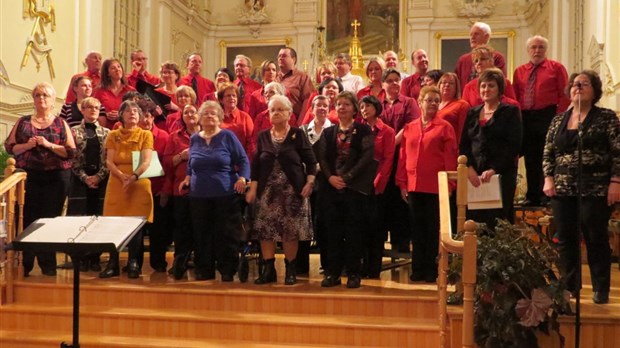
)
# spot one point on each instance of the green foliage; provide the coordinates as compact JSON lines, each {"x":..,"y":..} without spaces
{"x":3,"y":157}
{"x":518,"y":292}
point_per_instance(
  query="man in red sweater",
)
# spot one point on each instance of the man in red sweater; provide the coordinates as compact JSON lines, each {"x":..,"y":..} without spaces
{"x":138,"y":65}
{"x":243,"y":66}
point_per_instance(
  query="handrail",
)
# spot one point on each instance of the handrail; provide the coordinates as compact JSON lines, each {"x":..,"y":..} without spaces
{"x":13,"y":188}
{"x":467,"y":247}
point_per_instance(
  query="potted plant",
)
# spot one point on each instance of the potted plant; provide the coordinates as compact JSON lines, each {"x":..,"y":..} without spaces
{"x":518,"y":293}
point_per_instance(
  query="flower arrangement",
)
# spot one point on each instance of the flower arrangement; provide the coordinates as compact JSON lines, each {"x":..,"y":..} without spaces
{"x":518,"y":293}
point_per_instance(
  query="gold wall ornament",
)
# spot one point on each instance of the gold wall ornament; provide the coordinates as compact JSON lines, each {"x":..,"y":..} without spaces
{"x":4,"y":75}
{"x":355,"y":51}
{"x":43,"y":13}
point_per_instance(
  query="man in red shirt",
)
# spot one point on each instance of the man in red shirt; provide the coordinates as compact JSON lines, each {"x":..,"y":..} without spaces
{"x":243,"y":66}
{"x":298,"y":85}
{"x":410,"y":87}
{"x":93,"y":66}
{"x":202,"y":86}
{"x":539,"y":87}
{"x":138,"y":65}
{"x":480,"y":34}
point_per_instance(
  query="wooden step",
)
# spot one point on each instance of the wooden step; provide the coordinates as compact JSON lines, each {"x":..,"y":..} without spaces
{"x":234,"y":297}
{"x":278,"y":328}
{"x":46,"y":339}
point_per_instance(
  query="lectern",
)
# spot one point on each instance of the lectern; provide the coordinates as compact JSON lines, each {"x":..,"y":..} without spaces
{"x":78,"y":236}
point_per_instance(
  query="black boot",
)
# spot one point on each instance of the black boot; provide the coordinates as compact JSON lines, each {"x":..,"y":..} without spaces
{"x":291,"y":272}
{"x":269,"y":273}
{"x":111,"y":270}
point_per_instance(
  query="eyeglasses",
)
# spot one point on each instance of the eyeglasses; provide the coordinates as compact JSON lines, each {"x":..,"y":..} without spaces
{"x":93,"y":107}
{"x":580,"y":84}
{"x":430,"y":101}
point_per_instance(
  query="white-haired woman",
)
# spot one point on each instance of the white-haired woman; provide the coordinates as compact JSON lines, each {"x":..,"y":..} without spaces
{"x":283,"y":174}
{"x":262,"y":121}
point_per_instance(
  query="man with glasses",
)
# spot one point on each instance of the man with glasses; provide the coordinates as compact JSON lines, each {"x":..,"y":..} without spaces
{"x":539,"y":86}
{"x":138,"y":65}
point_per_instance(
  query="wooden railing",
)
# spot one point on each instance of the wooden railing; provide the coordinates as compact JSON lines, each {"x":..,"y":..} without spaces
{"x":467,"y":247}
{"x":12,"y":194}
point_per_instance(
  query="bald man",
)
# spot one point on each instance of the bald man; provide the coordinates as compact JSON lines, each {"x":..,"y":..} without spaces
{"x":93,"y":68}
{"x":391,"y":61}
{"x":479,"y":34}
{"x":410,"y":87}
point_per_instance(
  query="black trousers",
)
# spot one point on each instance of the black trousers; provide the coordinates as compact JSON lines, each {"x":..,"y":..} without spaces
{"x":183,"y":231}
{"x":160,"y":232}
{"x":317,"y":206}
{"x":424,"y":210}
{"x":345,"y":225}
{"x":216,"y":224}
{"x":46,"y":191}
{"x":594,"y":219}
{"x":535,"y":126}
{"x":396,"y":218}
{"x":374,"y":236}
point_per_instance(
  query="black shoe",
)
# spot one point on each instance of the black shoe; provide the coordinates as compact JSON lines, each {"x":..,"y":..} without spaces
{"x":95,"y":267}
{"x":133,"y":270}
{"x":110,"y":271}
{"x":160,"y":269}
{"x":430,"y":278}
{"x":227,"y":278}
{"x":49,"y":272}
{"x":330,"y":281}
{"x":416,"y":276}
{"x":178,"y":267}
{"x":600,"y":297}
{"x":354,"y":282}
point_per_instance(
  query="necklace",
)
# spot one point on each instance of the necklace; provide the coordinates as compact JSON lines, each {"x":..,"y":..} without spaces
{"x":282,"y":136}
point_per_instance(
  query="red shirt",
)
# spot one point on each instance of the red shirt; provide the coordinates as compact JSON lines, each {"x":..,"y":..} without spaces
{"x":241,"y":124}
{"x":299,"y":87}
{"x":384,"y":154}
{"x":177,"y":142}
{"x":471,"y":94}
{"x":111,"y":101}
{"x":368,"y":91}
{"x":402,"y":111}
{"x":456,"y":114}
{"x":132,"y":79}
{"x":262,"y":122}
{"x":257,"y":103}
{"x":205,"y":87}
{"x":160,"y":139}
{"x":95,"y":79}
{"x":551,"y":81}
{"x":249,"y":86}
{"x":424,"y":153}
{"x":410,"y":87}
{"x":465,"y":67}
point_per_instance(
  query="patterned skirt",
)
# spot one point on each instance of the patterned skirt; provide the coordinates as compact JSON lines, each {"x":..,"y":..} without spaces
{"x":281,"y":213}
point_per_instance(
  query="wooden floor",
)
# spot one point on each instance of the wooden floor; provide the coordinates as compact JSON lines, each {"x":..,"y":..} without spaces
{"x":157,"y":311}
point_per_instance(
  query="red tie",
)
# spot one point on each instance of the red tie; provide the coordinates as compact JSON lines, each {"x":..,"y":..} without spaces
{"x":528,"y":100}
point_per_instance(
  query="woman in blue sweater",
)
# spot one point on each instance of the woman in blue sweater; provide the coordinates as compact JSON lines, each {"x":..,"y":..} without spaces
{"x":217,"y":173}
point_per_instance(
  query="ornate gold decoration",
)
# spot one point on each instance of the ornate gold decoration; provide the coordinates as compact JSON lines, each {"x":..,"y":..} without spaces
{"x":474,"y":8}
{"x":355,"y":51}
{"x":305,"y":64}
{"x":403,"y":59}
{"x":253,"y":13}
{"x":4,"y":75}
{"x":37,"y":42}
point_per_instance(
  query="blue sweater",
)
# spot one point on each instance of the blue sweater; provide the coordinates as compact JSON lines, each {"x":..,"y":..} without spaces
{"x":214,"y":168}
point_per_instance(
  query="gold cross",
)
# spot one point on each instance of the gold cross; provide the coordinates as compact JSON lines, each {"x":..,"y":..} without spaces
{"x":355,"y":24}
{"x":305,"y":64}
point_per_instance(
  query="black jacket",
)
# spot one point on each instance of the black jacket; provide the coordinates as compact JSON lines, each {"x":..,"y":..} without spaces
{"x":295,"y":157}
{"x":361,"y":168}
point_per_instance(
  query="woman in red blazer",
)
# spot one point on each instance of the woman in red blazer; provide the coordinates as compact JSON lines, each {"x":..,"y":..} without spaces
{"x":428,"y":147}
